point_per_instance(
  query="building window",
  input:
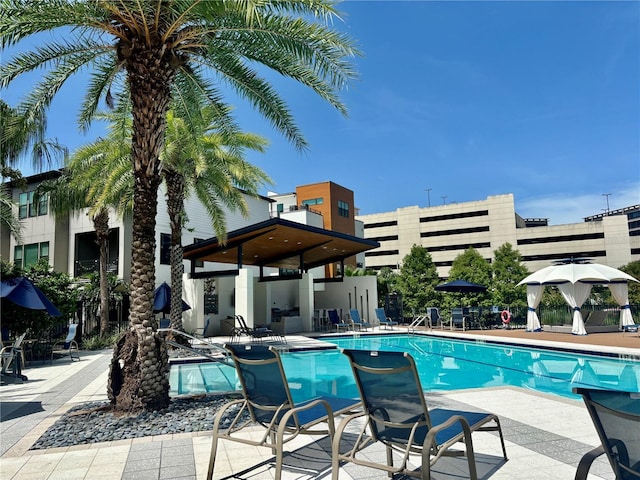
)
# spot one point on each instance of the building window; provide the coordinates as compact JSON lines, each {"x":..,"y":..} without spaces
{"x":17,"y":256}
{"x":24,"y":256}
{"x":165,"y":249}
{"x":343,"y":209}
{"x":28,"y":207}
{"x":313,"y":201}
{"x":198,"y":263}
{"x":280,"y":207}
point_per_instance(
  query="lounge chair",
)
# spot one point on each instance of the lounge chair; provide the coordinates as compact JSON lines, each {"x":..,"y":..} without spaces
{"x":616,"y":416}
{"x":633,"y":328}
{"x":12,"y":357}
{"x":268,"y":402}
{"x":203,"y":332}
{"x":357,"y":321}
{"x":596,"y":322}
{"x":396,"y":415}
{"x":257,"y":333}
{"x":459,"y":318}
{"x":434,"y":318}
{"x":68,"y":346}
{"x":336,"y":322}
{"x":383,"y":320}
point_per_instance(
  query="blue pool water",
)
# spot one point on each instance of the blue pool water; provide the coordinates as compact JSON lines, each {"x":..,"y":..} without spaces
{"x":443,"y":364}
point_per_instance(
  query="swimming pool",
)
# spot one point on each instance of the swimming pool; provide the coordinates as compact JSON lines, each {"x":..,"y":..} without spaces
{"x":443,"y":364}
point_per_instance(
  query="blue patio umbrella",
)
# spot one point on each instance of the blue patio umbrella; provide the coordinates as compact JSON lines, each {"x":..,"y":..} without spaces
{"x":23,"y":292}
{"x":162,"y":300}
{"x":460,"y":286}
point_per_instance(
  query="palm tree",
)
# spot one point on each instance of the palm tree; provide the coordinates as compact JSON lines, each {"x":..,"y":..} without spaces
{"x":208,"y":162}
{"x":17,"y":138}
{"x":76,"y":189}
{"x":198,"y":157}
{"x":22,"y":134}
{"x":164,"y":50}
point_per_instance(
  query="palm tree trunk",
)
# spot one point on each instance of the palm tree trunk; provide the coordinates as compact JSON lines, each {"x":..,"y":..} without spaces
{"x":101,"y":225}
{"x":138,"y":375}
{"x":175,"y":209}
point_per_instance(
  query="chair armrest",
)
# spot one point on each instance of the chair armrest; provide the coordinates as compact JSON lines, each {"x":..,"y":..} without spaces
{"x":586,"y":461}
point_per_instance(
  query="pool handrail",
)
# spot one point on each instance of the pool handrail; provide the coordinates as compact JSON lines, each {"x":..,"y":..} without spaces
{"x":219,"y":349}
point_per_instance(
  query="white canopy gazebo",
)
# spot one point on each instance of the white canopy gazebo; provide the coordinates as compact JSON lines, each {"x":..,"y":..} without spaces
{"x":574,"y":279}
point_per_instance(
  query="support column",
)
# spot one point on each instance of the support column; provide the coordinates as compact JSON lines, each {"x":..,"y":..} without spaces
{"x":305,"y":294}
{"x":244,"y":295}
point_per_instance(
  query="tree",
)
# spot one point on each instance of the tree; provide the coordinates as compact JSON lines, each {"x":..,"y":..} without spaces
{"x":17,"y":138}
{"x":417,"y":280}
{"x":470,"y":266}
{"x":68,"y":196}
{"x":91,"y":294}
{"x":164,"y":51}
{"x":387,"y":280}
{"x":633,"y":269}
{"x":22,"y":134}
{"x":197,"y":158}
{"x":508,"y":270}
{"x":200,"y":158}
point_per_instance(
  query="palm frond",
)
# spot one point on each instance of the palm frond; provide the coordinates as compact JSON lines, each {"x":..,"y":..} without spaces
{"x":8,"y":219}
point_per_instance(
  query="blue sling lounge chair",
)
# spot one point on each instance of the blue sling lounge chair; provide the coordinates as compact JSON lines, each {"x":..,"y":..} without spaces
{"x":383,"y":319}
{"x":268,"y":402}
{"x":616,"y":416}
{"x":357,"y":321}
{"x":396,"y":415}
{"x":334,"y":318}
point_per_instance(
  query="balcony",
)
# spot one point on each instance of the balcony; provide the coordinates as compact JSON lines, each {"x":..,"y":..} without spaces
{"x":92,"y":265}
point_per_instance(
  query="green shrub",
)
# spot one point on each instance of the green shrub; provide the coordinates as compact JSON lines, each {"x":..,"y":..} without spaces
{"x":96,"y":342}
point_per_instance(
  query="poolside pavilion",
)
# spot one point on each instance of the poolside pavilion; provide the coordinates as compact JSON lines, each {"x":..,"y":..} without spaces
{"x":277,"y":263}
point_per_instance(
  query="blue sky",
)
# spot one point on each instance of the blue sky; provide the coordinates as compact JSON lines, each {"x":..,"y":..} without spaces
{"x":468,"y":99}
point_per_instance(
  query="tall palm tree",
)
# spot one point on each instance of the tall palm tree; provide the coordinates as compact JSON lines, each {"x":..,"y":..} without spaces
{"x":165,"y":50}
{"x":77,"y":189}
{"x":197,"y":158}
{"x":208,"y":162}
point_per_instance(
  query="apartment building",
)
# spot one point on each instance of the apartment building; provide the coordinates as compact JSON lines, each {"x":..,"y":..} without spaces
{"x":448,"y":230}
{"x":68,"y":242}
{"x":211,"y":288}
{"x":326,"y":205}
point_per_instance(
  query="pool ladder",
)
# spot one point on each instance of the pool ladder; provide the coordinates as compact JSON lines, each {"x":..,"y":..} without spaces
{"x":415,"y":323}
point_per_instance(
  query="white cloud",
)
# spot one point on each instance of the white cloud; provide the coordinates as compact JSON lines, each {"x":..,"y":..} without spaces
{"x":571,"y":208}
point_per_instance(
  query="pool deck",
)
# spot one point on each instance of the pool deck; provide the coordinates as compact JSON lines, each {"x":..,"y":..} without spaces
{"x":545,"y":435}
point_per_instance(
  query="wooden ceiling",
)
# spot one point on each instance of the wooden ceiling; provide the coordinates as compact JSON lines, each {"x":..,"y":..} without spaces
{"x":280,"y":243}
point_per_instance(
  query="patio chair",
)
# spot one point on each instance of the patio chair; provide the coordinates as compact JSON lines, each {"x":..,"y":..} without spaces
{"x":383,"y":319}
{"x":357,"y":321}
{"x":396,"y":414}
{"x":12,"y":357}
{"x":616,"y":416}
{"x":459,"y":318}
{"x":336,"y":322}
{"x":68,"y":346}
{"x":267,"y":401}
{"x":207,"y":330}
{"x":434,"y":318}
{"x":257,"y":333}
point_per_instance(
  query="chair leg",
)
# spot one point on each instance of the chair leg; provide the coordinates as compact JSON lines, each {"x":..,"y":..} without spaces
{"x":389,"y":460}
{"x":212,"y":456}
{"x":586,"y":461}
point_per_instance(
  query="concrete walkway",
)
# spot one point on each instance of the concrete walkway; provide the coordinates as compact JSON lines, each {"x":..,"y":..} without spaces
{"x":546,"y":436}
